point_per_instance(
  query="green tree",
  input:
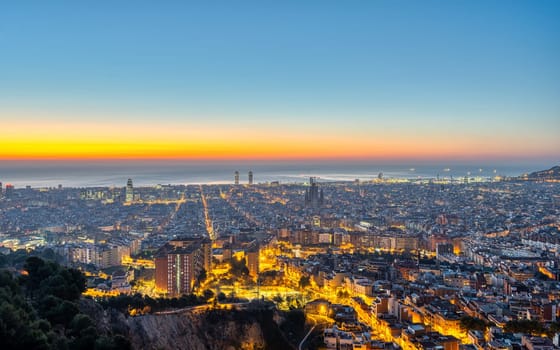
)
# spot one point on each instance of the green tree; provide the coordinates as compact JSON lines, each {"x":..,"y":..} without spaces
{"x":19,"y":328}
{"x":524,"y":326}
{"x":49,"y":278}
{"x":79,"y":323}
{"x":473,"y":323}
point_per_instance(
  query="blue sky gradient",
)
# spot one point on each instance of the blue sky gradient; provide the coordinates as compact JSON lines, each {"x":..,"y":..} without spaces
{"x":486,"y":69}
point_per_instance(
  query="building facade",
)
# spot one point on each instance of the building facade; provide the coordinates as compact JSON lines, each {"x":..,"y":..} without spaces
{"x":180,"y":262}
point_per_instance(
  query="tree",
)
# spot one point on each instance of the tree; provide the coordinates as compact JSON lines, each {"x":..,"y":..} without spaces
{"x":79,"y":323}
{"x":208,"y":294}
{"x":304,"y":282}
{"x":47,"y":316}
{"x":49,"y":278}
{"x":524,"y":326}
{"x":19,"y":328}
{"x":238,"y":268}
{"x":343,"y":294}
{"x":201,"y":276}
{"x":472,"y":323}
{"x":62,"y":313}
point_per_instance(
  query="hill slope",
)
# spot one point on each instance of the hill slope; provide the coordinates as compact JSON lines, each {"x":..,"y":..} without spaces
{"x":544,"y":175}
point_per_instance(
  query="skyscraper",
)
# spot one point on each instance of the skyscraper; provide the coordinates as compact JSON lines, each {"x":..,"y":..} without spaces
{"x":236,"y":177}
{"x":313,"y":197}
{"x":250,"y":177}
{"x":9,"y":191}
{"x":129,"y":192}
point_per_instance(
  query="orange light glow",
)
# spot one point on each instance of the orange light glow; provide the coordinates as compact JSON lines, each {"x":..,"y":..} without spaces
{"x":36,"y":139}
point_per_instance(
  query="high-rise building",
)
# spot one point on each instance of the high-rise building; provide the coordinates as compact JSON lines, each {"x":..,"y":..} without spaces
{"x":129,"y":192}
{"x":9,"y":191}
{"x":252,"y":260}
{"x":1,"y":189}
{"x":180,"y":262}
{"x":250,"y":177}
{"x":236,"y":177}
{"x":313,"y":196}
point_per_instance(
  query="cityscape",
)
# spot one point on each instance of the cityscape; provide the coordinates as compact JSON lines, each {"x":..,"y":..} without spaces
{"x":290,"y":175}
{"x":379,"y":264}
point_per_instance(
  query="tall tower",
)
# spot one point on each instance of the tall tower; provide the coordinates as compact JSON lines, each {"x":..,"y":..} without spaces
{"x":129,"y":192}
{"x":236,"y":177}
{"x":250,"y":177}
{"x":9,"y":190}
{"x":313,"y":197}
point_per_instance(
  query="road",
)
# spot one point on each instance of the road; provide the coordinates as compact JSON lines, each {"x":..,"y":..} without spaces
{"x":178,"y":311}
{"x":308,"y":333}
{"x":203,"y":307}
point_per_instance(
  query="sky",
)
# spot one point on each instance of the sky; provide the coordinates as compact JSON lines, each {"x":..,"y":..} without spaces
{"x":387,"y":80}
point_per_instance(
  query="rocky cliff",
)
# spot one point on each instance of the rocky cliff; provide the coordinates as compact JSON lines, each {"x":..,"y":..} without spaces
{"x":196,"y":330}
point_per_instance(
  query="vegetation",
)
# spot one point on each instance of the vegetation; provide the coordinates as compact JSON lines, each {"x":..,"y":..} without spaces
{"x":39,"y":310}
{"x":139,"y":304}
{"x":525,"y":326}
{"x":304,"y":282}
{"x":269,"y":278}
{"x":343,"y":294}
{"x":201,"y":276}
{"x":472,"y":323}
{"x":238,"y":268}
{"x":294,"y":325}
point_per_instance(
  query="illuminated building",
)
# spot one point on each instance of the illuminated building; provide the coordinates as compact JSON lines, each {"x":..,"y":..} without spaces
{"x":317,"y":221}
{"x":109,"y":256}
{"x":252,"y":256}
{"x":129,"y":192}
{"x":102,"y":256}
{"x":250,"y":177}
{"x":180,"y":262}
{"x":236,"y":178}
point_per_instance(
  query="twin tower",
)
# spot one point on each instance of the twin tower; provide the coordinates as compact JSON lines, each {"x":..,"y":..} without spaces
{"x":236,"y":177}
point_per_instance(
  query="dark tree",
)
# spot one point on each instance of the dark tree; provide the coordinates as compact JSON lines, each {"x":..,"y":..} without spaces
{"x":304,"y":282}
{"x":473,"y":323}
{"x":524,"y":326}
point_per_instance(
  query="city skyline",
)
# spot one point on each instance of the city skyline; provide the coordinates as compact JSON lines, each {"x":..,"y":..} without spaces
{"x":422,"y":81}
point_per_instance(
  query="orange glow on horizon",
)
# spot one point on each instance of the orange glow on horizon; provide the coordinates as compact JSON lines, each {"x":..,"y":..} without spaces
{"x":37,"y":150}
{"x":38,"y":140}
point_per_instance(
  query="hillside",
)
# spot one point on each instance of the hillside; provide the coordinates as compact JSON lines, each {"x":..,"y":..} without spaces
{"x":41,"y":308}
{"x":552,"y":174}
{"x":196,"y":330}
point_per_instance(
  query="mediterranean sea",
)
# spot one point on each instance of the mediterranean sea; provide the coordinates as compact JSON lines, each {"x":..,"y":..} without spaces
{"x":147,"y":173}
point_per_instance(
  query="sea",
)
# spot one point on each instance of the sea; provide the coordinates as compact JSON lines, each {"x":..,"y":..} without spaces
{"x":41,"y":174}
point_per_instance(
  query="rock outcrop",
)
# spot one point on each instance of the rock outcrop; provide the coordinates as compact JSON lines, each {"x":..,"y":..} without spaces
{"x":195,"y":330}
